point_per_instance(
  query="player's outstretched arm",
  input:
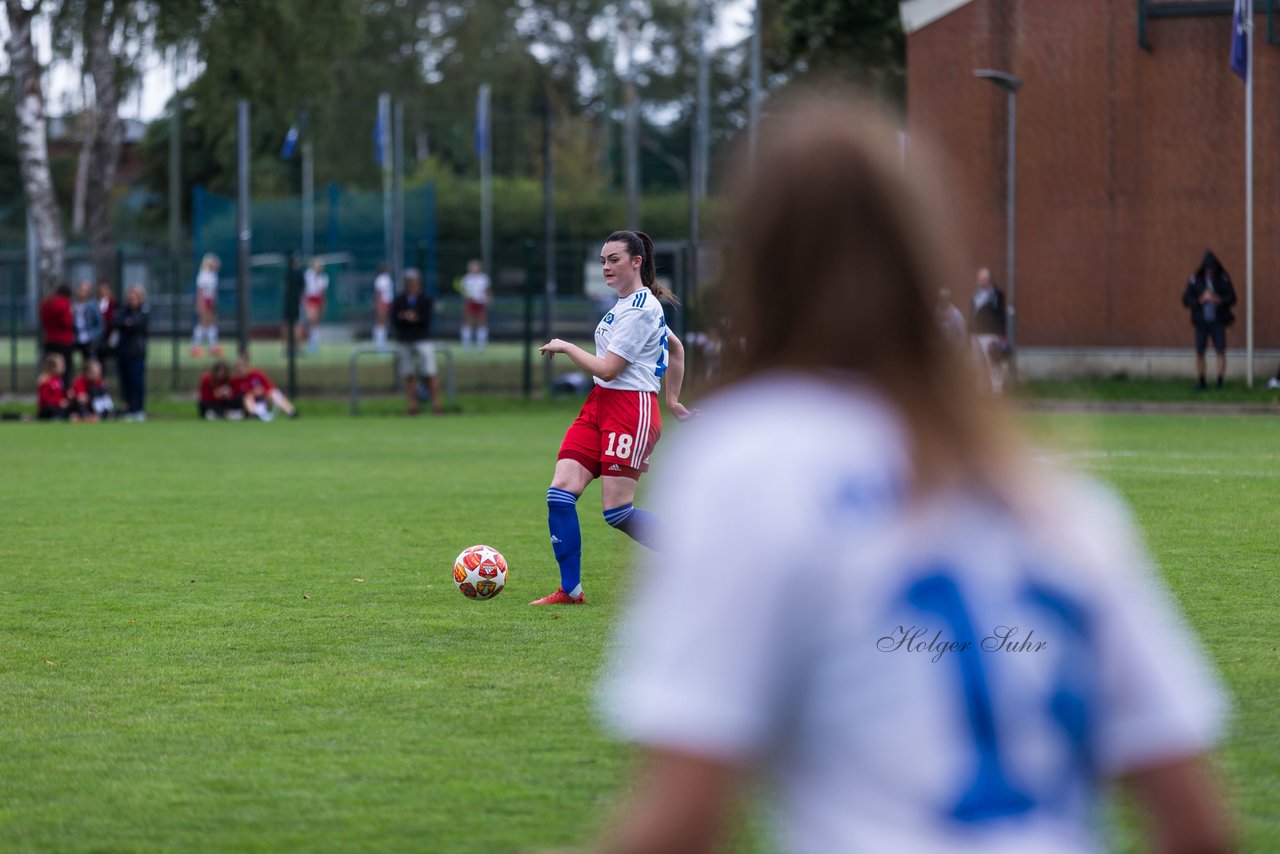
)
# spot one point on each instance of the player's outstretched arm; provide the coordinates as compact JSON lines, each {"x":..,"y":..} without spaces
{"x":606,"y":368}
{"x":679,"y":804}
{"x":675,"y":378}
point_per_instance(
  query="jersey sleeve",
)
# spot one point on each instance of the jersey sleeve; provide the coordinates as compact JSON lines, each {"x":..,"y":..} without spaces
{"x":633,"y":330}
{"x":705,"y":651}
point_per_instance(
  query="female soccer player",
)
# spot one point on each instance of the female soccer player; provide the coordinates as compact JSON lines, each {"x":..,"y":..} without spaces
{"x":207,"y":306}
{"x":867,"y":591}
{"x":619,"y":424}
{"x":315,"y":287}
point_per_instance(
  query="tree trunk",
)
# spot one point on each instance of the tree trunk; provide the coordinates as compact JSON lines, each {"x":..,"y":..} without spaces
{"x":107,"y":135}
{"x":33,"y":147}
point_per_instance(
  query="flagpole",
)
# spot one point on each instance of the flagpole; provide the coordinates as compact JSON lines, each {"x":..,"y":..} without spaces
{"x":1248,"y":196}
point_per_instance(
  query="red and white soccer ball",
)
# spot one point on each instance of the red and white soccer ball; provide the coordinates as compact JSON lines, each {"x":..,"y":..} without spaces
{"x":480,"y":572}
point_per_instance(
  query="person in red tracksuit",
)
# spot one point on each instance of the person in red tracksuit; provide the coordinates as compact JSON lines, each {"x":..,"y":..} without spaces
{"x":258,"y":392}
{"x":58,"y":323}
{"x":218,"y":395}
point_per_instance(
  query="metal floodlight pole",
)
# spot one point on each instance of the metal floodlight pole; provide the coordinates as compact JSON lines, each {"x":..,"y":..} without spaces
{"x":631,"y":127}
{"x":308,"y":198}
{"x":484,"y":126}
{"x":1010,"y":83}
{"x":397,"y":194}
{"x":244,"y":234}
{"x":384,"y":158}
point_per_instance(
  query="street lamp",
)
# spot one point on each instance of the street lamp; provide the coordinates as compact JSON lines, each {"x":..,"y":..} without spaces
{"x":1010,"y":83}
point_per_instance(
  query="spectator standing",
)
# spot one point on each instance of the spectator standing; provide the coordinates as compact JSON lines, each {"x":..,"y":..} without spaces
{"x":88,"y":320}
{"x":107,"y":306}
{"x":131,"y":355}
{"x":57,"y":322}
{"x":206,"y":330}
{"x":383,"y":294}
{"x":988,"y":324}
{"x":477,"y":294}
{"x":411,"y":314}
{"x":1210,"y":295}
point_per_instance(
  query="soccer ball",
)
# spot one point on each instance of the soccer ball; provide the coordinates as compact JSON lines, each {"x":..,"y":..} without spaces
{"x":480,"y":572}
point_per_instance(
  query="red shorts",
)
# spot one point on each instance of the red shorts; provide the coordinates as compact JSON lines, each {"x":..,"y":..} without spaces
{"x":205,"y":305}
{"x":474,"y":307}
{"x":314,"y":302}
{"x":615,"y":432}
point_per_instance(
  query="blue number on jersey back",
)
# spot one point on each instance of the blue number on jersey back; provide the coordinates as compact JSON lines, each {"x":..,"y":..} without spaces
{"x":990,"y":793}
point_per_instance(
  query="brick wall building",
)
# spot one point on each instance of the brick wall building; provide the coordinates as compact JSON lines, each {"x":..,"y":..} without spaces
{"x":1130,"y":162}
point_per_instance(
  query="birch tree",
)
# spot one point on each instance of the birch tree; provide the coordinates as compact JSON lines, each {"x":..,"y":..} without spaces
{"x":33,"y":145}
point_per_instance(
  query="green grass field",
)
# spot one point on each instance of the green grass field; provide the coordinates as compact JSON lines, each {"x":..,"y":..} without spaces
{"x":222,"y":636}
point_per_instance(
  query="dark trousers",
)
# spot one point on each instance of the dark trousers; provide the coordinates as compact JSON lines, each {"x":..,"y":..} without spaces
{"x":133,"y":383}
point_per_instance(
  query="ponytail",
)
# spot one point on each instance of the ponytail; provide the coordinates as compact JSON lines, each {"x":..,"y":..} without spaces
{"x":639,"y":243}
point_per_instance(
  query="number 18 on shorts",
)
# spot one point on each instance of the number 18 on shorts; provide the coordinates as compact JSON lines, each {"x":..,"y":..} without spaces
{"x":615,"y":432}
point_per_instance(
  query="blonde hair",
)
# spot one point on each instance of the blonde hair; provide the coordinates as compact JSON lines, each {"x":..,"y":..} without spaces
{"x":828,"y":207}
{"x":210,"y":261}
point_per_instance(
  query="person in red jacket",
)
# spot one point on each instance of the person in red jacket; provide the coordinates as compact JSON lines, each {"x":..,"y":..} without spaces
{"x":51,"y":392}
{"x":218,"y":395}
{"x":59,"y":325}
{"x":258,"y":392}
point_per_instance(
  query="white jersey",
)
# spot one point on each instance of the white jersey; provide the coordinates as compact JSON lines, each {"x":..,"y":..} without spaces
{"x":383,"y":287}
{"x":636,"y":329}
{"x":315,"y":284}
{"x":207,"y":284}
{"x":475,"y":287}
{"x":936,"y":678}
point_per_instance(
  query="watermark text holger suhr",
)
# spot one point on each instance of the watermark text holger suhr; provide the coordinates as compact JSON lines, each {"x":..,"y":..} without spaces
{"x":919,"y":639}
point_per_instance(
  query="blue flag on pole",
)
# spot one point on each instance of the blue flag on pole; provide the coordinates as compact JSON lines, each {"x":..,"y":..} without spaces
{"x":1239,"y":45}
{"x":290,"y":143}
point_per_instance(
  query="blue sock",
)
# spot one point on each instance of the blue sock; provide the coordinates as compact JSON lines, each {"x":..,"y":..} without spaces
{"x":566,"y":538}
{"x":639,"y":525}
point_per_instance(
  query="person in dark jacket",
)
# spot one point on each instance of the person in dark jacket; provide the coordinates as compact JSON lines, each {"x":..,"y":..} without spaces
{"x":131,"y":354}
{"x":57,"y":320}
{"x":411,"y":313}
{"x":1209,"y":295}
{"x":988,"y":325}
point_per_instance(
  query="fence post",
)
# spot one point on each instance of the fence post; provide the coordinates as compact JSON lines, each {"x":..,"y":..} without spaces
{"x":13,"y":332}
{"x":528,"y":319}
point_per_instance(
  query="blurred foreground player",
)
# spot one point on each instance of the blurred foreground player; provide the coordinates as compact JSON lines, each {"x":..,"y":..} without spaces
{"x":867,"y":591}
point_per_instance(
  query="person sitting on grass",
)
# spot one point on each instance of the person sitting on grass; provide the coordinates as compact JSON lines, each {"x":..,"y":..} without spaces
{"x":91,"y":397}
{"x":51,"y":393}
{"x":218,"y":397}
{"x":258,"y":392}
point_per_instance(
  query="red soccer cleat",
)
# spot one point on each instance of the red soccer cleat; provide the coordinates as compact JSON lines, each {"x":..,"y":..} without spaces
{"x":559,"y":598}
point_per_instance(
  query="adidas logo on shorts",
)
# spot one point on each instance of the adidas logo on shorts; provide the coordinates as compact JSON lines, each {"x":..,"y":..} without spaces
{"x":555,"y":539}
{"x":615,"y":467}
